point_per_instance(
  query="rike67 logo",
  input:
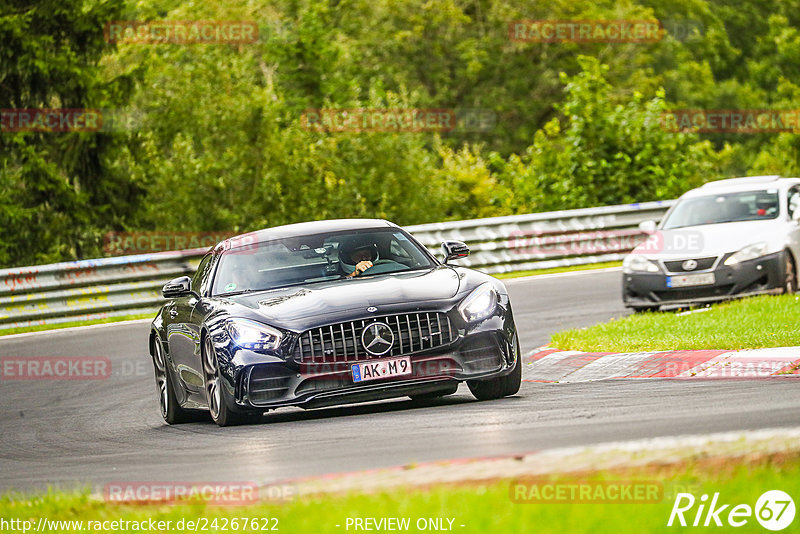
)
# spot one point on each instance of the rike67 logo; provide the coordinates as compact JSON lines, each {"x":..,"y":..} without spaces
{"x":774,"y":510}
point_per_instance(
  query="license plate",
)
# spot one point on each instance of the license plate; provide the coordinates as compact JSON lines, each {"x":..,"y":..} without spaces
{"x":690,"y":280}
{"x":362,"y":372}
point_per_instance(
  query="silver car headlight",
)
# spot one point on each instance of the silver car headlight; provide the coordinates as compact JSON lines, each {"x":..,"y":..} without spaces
{"x":253,"y":335}
{"x":635,"y":263}
{"x":750,"y":252}
{"x":479,"y":304}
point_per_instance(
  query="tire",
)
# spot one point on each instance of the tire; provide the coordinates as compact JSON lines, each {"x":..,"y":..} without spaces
{"x":502,"y":386}
{"x":789,"y":274}
{"x":171,"y":411}
{"x":452,"y":388}
{"x":217,"y":405}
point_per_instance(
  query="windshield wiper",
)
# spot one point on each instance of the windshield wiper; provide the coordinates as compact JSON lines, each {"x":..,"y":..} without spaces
{"x":234,"y":293}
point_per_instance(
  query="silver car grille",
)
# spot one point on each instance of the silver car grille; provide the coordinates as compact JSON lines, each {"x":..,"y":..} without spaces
{"x":702,"y":264}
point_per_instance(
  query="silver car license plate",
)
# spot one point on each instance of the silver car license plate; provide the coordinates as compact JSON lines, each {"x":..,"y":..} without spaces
{"x":363,"y":372}
{"x":687,"y":280}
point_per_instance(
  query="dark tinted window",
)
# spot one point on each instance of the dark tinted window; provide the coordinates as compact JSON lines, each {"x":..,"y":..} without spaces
{"x":317,"y":258}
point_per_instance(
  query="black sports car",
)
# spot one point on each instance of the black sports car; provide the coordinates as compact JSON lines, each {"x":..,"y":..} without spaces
{"x":329,"y":312}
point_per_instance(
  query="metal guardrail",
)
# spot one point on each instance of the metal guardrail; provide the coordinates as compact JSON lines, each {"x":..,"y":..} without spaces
{"x":125,"y":285}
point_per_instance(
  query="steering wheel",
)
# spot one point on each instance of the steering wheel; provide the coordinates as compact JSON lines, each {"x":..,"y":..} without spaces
{"x":385,"y":266}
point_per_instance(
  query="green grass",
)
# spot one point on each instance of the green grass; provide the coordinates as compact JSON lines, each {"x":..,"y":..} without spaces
{"x":480,"y":508}
{"x":571,"y":268}
{"x":42,"y":327}
{"x":757,"y":322}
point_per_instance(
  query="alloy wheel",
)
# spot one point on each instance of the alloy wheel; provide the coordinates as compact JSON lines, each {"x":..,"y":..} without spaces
{"x":212,"y":379}
{"x":161,"y":379}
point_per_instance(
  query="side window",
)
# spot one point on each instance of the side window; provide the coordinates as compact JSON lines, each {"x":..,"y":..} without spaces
{"x":793,"y":196}
{"x":199,"y":281}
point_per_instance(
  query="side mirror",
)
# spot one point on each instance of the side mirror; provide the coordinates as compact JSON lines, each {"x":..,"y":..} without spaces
{"x":454,"y":250}
{"x":178,"y":287}
{"x":648,"y":226}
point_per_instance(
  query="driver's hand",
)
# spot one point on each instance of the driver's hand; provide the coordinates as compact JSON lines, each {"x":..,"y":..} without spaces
{"x":360,"y":268}
{"x":363,"y":266}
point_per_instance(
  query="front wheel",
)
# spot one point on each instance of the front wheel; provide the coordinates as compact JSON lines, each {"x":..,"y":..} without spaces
{"x":502,"y":386}
{"x":217,"y":406}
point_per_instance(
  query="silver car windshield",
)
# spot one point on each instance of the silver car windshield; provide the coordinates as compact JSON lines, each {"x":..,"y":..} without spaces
{"x":724,"y":208}
{"x":316,"y":258}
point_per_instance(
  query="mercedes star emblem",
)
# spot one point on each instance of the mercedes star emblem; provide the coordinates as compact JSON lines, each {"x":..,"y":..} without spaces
{"x":377,"y":339}
{"x":689,"y":265}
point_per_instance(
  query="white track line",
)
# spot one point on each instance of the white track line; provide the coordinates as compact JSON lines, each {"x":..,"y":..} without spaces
{"x":70,"y":329}
{"x":559,"y":275}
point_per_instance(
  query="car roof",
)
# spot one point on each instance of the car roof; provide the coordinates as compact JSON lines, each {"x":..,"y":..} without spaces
{"x":302,"y":229}
{"x":747,"y":183}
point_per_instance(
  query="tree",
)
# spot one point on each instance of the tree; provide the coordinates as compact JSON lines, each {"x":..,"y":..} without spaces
{"x":56,"y":192}
{"x":602,"y":152}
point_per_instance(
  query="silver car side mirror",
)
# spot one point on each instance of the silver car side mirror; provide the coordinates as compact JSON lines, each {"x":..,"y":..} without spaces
{"x":648,"y":226}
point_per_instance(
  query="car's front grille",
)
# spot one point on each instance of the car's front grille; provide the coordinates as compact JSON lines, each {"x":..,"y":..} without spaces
{"x":702,"y":264}
{"x":341,"y":342}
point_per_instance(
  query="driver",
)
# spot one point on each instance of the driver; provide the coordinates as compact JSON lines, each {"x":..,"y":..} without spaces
{"x":362,"y":255}
{"x":765,"y":206}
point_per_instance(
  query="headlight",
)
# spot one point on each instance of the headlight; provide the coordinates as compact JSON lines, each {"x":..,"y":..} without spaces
{"x":636,"y":263}
{"x":749,"y":252}
{"x":253,"y":335}
{"x":479,"y":304}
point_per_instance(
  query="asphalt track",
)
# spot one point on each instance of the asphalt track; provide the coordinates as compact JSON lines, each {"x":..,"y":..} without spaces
{"x":77,"y":433}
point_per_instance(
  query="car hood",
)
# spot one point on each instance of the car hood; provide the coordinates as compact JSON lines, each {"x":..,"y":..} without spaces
{"x":297,"y":307}
{"x":712,"y":239}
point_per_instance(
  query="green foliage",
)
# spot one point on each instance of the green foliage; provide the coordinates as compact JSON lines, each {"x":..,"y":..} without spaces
{"x":602,"y":152}
{"x":56,"y":191}
{"x":216,"y":142}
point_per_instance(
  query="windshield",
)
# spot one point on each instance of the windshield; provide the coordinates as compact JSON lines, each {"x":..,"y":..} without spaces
{"x":316,"y":258}
{"x":723,"y":208}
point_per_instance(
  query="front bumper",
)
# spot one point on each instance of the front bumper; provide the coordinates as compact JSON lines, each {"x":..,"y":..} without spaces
{"x":477,"y":351}
{"x":277,"y":384}
{"x":754,"y":277}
